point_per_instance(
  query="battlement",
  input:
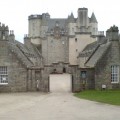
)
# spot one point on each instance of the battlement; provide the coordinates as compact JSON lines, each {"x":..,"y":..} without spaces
{"x":83,"y":8}
{"x":100,"y":33}
{"x":44,"y":15}
{"x":35,"y":17}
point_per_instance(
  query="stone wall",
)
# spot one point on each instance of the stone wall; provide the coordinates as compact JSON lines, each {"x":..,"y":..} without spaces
{"x":16,"y":70}
{"x":88,"y":80}
{"x":55,"y":50}
{"x":49,"y":69}
{"x":103,"y":67}
{"x":75,"y":78}
{"x":34,"y":79}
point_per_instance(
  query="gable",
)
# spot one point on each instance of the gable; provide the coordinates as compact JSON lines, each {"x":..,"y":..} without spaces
{"x":97,"y":55}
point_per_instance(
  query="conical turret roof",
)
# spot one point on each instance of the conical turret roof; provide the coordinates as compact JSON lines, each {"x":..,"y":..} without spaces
{"x":71,"y":18}
{"x":93,"y":18}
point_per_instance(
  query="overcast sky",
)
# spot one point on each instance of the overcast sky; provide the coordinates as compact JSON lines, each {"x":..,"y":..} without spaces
{"x":14,"y":13}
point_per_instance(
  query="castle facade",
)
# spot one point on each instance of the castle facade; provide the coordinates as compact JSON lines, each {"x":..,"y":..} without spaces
{"x":56,"y":46}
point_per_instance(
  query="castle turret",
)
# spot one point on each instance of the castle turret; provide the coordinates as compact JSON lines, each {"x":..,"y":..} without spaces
{"x":93,"y":24}
{"x":93,"y":18}
{"x":34,"y":25}
{"x":35,"y":28}
{"x":71,"y":18}
{"x":44,"y":24}
{"x":71,"y":24}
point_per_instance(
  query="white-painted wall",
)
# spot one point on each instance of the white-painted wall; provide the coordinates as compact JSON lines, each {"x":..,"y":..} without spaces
{"x":75,"y":47}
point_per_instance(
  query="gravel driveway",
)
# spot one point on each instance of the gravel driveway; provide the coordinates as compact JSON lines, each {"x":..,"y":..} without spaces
{"x":53,"y":106}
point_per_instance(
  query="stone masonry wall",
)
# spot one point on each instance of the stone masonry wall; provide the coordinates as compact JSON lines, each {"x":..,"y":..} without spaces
{"x":55,"y":50}
{"x":103,"y":67}
{"x":16,"y":70}
{"x":87,"y":82}
{"x":75,"y":78}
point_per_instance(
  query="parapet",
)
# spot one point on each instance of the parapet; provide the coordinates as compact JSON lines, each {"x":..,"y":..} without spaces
{"x":83,"y":8}
{"x":44,"y":15}
{"x":100,"y":33}
{"x":35,"y":17}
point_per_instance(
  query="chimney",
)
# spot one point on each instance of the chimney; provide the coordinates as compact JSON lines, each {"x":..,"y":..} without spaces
{"x":11,"y":36}
{"x":112,"y":33}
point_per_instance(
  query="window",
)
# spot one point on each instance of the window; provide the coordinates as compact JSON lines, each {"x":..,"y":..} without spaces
{"x":75,"y":39}
{"x":83,"y":74}
{"x":114,"y":74}
{"x":63,"y":42}
{"x":3,"y":75}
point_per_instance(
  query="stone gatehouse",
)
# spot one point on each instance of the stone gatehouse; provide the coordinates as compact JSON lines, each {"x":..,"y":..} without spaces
{"x":56,"y":46}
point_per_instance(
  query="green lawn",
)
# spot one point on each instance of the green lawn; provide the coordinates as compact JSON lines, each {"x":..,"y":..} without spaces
{"x":107,"y":96}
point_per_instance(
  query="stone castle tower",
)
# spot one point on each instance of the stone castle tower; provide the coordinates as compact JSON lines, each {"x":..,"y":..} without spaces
{"x":61,"y":40}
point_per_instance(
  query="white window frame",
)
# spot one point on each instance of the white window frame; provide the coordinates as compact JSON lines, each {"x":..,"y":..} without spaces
{"x":3,"y":75}
{"x":114,"y":74}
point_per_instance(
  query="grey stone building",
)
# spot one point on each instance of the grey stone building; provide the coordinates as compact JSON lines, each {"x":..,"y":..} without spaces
{"x":100,"y":68}
{"x":55,"y":46}
{"x":19,"y":66}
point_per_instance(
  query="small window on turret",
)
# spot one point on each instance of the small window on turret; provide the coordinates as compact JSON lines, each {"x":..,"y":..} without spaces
{"x":75,"y":39}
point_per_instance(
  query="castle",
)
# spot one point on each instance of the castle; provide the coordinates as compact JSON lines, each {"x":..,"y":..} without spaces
{"x":55,"y":46}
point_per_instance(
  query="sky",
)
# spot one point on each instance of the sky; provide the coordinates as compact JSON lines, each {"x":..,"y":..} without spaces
{"x":14,"y":13}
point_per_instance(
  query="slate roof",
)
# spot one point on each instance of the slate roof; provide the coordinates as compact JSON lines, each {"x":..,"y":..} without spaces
{"x":92,"y":53}
{"x":91,"y":62}
{"x":93,"y":18}
{"x":23,"y":53}
{"x":87,"y":51}
{"x":51,"y":23}
{"x":71,"y":18}
{"x":20,"y":55}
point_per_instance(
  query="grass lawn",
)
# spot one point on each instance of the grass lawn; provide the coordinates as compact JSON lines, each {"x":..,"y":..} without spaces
{"x":107,"y":96}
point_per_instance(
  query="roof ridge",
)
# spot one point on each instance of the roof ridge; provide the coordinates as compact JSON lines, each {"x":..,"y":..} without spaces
{"x":93,"y":53}
{"x":14,"y":49}
{"x":100,"y":46}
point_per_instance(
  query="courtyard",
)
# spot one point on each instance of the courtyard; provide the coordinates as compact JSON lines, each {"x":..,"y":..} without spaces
{"x":53,"y":106}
